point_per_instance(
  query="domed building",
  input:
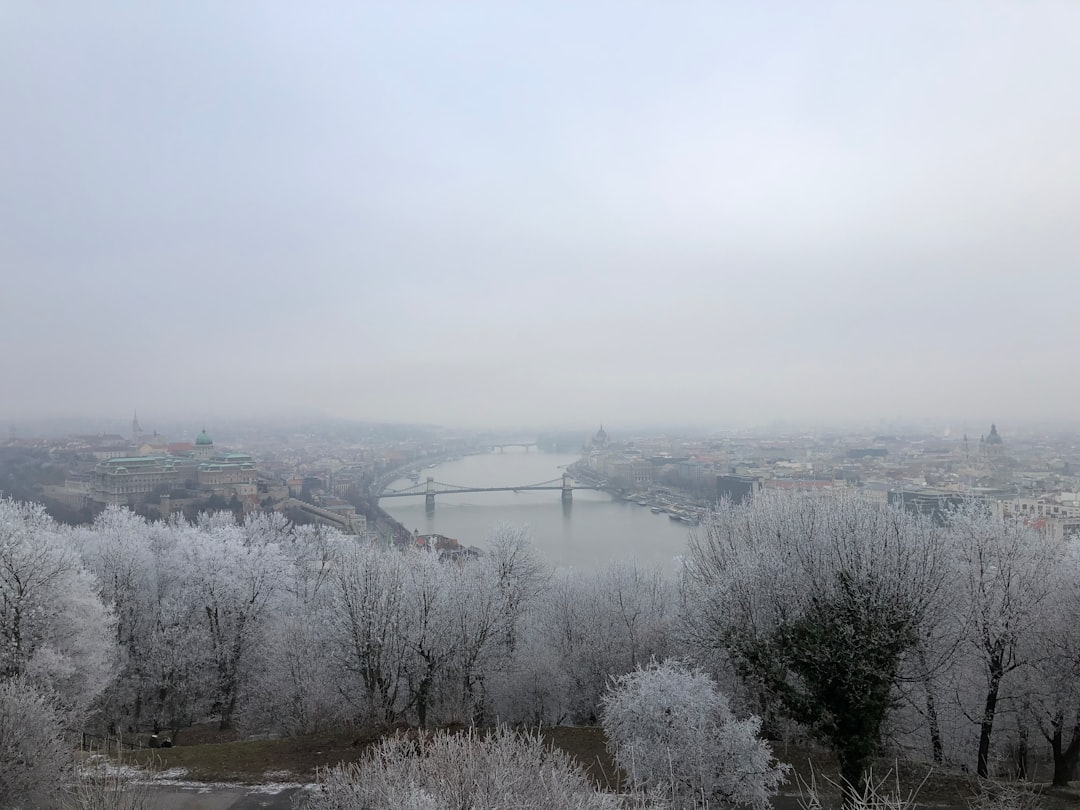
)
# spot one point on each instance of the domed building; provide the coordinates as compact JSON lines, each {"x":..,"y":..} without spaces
{"x":992,"y":446}
{"x":600,"y":439}
{"x":223,"y":473}
{"x":204,"y":446}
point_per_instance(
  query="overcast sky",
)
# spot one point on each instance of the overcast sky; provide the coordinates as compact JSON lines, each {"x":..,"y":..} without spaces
{"x":541,"y":213}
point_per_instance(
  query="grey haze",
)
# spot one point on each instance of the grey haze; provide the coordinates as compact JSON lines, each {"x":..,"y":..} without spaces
{"x":540,"y":213}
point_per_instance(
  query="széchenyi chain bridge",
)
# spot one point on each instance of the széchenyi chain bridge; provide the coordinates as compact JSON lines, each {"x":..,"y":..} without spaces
{"x":430,"y":488}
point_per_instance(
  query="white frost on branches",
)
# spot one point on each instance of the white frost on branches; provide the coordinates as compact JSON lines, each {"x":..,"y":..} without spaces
{"x":33,"y":757}
{"x":54,"y":630}
{"x":445,"y":771}
{"x":673,"y":734}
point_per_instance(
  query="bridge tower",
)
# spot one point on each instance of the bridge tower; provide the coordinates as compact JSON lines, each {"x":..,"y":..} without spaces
{"x":567,"y":488}
{"x":429,"y":495}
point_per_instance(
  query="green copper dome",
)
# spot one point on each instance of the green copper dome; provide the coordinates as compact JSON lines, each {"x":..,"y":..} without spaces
{"x":204,"y":438}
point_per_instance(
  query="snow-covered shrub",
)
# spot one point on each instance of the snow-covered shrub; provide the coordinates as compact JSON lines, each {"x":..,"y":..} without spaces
{"x":671,"y":731}
{"x":33,"y":758}
{"x":102,"y":784}
{"x":445,"y":771}
{"x":876,"y":794}
{"x":1004,"y":796}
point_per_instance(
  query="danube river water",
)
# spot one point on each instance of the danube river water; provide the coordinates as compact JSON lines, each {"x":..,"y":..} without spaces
{"x":594,"y":530}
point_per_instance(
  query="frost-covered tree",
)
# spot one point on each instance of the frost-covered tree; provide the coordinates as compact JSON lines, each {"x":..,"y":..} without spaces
{"x":54,"y":630}
{"x":593,"y":626}
{"x":477,"y":627}
{"x":428,"y":631}
{"x":34,"y":760}
{"x":136,"y":574}
{"x":234,"y":581}
{"x":263,"y":528}
{"x":490,"y":599}
{"x":520,"y":576}
{"x":1050,"y":688}
{"x":368,"y":618}
{"x":818,"y":602}
{"x":1037,"y":704}
{"x":673,"y":734}
{"x":446,"y":771}
{"x":295,"y":687}
{"x":1005,"y":575}
{"x":639,"y":605}
{"x":198,"y":615}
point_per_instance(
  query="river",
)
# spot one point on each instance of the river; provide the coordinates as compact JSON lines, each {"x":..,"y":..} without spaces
{"x":594,"y":530}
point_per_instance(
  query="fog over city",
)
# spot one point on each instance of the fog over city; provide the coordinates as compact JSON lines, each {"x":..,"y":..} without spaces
{"x":555,"y":213}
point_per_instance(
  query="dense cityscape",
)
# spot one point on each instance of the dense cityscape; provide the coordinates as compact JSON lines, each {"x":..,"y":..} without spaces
{"x":335,"y":474}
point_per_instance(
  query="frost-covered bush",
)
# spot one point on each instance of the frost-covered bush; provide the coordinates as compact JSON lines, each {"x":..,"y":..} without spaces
{"x":33,"y":758}
{"x":876,"y":794}
{"x":103,"y":784}
{"x":446,"y":771}
{"x":671,"y":731}
{"x":991,"y":796}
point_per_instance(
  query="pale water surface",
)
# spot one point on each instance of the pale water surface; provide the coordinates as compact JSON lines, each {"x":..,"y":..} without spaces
{"x":589,"y":533}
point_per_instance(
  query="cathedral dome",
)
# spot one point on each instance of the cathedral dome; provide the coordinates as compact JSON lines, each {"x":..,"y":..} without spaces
{"x":204,"y":439}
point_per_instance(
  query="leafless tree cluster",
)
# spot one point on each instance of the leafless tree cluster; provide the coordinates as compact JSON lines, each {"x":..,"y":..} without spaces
{"x":866,"y":626}
{"x":870,"y":626}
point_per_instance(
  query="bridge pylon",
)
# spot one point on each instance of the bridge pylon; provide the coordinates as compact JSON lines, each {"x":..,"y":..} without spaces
{"x":567,"y":488}
{"x":429,"y":495}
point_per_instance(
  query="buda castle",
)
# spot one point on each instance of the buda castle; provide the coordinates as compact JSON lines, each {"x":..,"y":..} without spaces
{"x":126,"y":481}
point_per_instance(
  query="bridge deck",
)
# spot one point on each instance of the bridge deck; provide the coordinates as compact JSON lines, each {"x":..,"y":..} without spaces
{"x":450,"y":489}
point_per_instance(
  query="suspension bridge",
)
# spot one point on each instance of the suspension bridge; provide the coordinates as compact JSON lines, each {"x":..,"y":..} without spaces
{"x":430,"y":488}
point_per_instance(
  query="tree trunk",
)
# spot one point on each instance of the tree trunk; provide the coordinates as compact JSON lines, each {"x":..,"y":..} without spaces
{"x":986,"y":728}
{"x":474,"y":695}
{"x":1022,"y":755}
{"x":852,"y":778}
{"x":227,"y":712}
{"x":1065,"y":758}
{"x":936,"y":744}
{"x":420,"y":699}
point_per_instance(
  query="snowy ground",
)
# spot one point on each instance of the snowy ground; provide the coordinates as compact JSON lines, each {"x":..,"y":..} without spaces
{"x":194,"y":796}
{"x":172,"y":791}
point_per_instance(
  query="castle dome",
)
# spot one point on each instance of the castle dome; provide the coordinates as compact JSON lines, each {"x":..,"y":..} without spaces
{"x":204,"y":439}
